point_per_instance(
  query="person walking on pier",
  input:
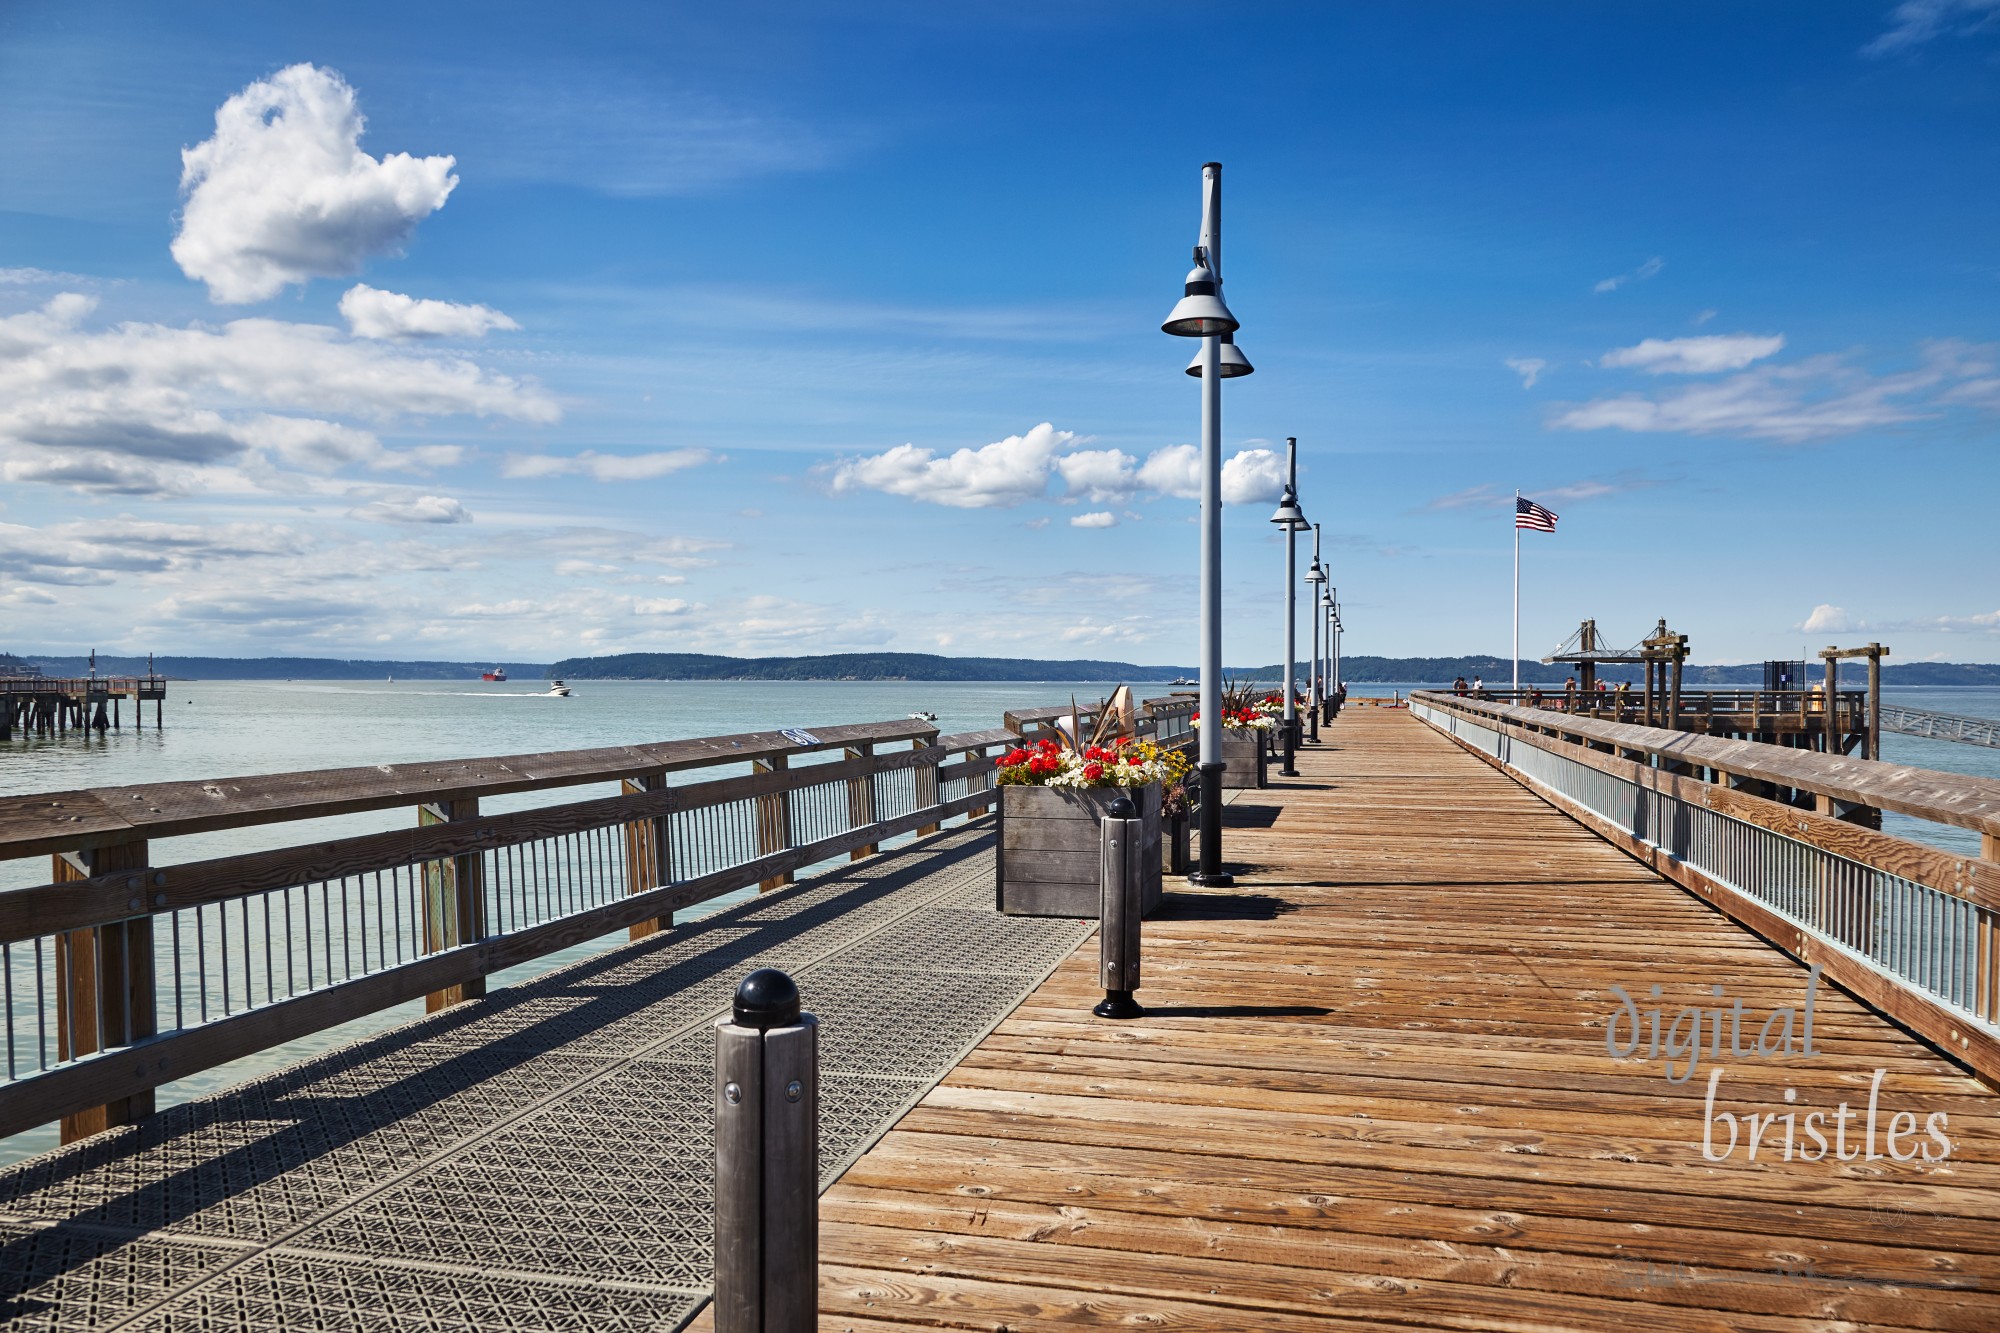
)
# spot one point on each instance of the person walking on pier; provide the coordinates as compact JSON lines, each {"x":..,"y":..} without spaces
{"x":1458,"y":687}
{"x":1569,"y":695}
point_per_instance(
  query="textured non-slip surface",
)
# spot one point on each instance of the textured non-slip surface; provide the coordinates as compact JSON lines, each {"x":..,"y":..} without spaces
{"x":539,"y":1160}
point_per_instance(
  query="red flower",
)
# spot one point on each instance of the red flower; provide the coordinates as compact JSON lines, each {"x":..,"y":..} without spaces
{"x":1093,"y":771}
{"x":1015,"y":756}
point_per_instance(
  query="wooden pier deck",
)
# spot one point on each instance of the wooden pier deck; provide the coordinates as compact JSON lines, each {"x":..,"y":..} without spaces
{"x":1373,"y":1091}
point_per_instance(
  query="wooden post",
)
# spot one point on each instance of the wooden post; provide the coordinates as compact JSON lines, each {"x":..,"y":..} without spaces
{"x":648,"y":854}
{"x":1875,"y":652}
{"x":774,"y":821}
{"x":1831,"y":745}
{"x":1989,"y":849}
{"x":861,"y":801}
{"x":454,"y":901}
{"x":927,"y":786}
{"x":104,"y":984}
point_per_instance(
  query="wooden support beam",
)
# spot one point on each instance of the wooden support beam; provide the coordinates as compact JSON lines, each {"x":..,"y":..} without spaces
{"x":454,"y":901}
{"x":861,"y":801}
{"x":927,"y":788}
{"x":648,"y":854}
{"x":773,"y":820}
{"x":104,"y":984}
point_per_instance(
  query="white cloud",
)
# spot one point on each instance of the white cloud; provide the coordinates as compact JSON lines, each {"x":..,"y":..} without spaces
{"x":373,"y":313}
{"x":282,"y":193}
{"x":1702,"y":317}
{"x":1020,"y":467}
{"x":605,"y":467}
{"x":1818,"y":398}
{"x":1915,"y":22}
{"x":1640,"y":274}
{"x":660,"y":606}
{"x":42,"y":277}
{"x":1488,"y":496}
{"x":1827,"y":618}
{"x":152,"y":409}
{"x":1098,"y":520}
{"x":1695,"y":356}
{"x":95,"y":551}
{"x":996,"y":475}
{"x":1529,"y":368}
{"x":1254,"y":476}
{"x":1098,"y":475}
{"x":413,"y":509}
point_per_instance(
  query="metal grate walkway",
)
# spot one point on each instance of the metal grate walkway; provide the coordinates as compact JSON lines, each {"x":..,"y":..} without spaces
{"x":538,"y":1160}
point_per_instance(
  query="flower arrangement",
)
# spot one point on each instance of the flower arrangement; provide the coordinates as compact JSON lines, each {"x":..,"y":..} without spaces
{"x":1244,"y":719}
{"x":1119,"y":763}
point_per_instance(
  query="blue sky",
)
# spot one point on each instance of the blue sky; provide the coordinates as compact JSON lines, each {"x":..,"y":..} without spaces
{"x":791,"y":329}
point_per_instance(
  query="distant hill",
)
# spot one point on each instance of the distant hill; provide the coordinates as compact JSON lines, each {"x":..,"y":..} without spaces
{"x":1363,"y":670}
{"x":853,"y":666}
{"x":266,"y":668}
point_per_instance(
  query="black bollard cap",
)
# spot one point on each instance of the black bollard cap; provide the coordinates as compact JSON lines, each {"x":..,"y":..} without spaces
{"x":766,"y":999}
{"x":1122,"y":808}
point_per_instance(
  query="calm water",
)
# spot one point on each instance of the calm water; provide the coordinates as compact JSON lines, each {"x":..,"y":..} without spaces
{"x":235,"y":728}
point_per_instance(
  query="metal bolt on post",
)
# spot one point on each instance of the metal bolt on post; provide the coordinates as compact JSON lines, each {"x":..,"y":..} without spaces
{"x":1121,"y":863}
{"x":766,"y":1160}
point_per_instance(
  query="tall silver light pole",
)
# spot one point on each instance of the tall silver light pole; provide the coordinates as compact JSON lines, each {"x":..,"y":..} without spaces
{"x":1315,"y":576}
{"x":1337,"y":627}
{"x":1290,"y":519}
{"x":1202,"y":314}
{"x":1326,"y":613}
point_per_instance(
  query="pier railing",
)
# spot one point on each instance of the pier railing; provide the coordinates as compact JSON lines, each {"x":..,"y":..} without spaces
{"x":121,"y":974}
{"x":1780,"y":840}
{"x":1745,"y":709}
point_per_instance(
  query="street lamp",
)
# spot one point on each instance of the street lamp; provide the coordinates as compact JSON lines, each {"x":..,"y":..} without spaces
{"x":1200,"y":313}
{"x":1337,"y":628}
{"x":1315,"y":576}
{"x":1330,"y":609}
{"x":1290,"y":520}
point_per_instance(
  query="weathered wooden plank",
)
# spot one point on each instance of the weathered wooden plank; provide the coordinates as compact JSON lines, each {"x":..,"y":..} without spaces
{"x":1372,"y":1083}
{"x":64,"y":821}
{"x":1945,"y":798}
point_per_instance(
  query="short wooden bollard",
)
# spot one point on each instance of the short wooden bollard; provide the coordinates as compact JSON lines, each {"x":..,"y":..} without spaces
{"x":766,"y":1160}
{"x":1118,"y":915}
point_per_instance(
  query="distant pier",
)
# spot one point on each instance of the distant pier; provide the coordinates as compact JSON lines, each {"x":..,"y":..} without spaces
{"x":51,"y":705}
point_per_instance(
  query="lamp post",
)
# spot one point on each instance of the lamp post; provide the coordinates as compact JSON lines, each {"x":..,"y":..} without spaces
{"x":1201,"y":314}
{"x":1326,"y":667}
{"x":1315,"y":576}
{"x":1337,"y":628}
{"x":1290,"y":519}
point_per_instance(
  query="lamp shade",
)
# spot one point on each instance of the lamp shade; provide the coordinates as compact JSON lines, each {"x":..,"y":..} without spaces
{"x":1200,"y":312}
{"x":1315,"y":574}
{"x":1233,"y":363}
{"x":1289,"y":516}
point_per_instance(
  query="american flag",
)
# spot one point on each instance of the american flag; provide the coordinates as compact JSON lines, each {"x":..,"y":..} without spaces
{"x":1528,"y":514}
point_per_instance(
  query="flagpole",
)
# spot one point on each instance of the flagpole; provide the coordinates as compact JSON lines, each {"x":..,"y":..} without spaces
{"x":1517,"y":591}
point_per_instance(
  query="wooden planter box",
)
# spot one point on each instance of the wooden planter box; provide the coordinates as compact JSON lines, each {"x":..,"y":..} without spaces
{"x":1048,"y":859}
{"x":1245,"y":753}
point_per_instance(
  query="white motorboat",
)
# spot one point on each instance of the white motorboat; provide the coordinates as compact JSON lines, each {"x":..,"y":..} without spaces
{"x":558,"y":690}
{"x":923,"y":717}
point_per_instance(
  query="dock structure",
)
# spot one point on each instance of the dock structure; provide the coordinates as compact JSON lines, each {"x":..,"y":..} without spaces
{"x":52,"y":705}
{"x":1389,"y":1080}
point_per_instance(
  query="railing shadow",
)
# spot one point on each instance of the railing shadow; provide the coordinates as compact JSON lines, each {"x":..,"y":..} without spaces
{"x":318,"y":1125}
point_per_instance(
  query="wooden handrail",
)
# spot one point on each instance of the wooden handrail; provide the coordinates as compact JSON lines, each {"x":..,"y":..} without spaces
{"x":1922,"y":793}
{"x":99,"y":912}
{"x":78,"y":820}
